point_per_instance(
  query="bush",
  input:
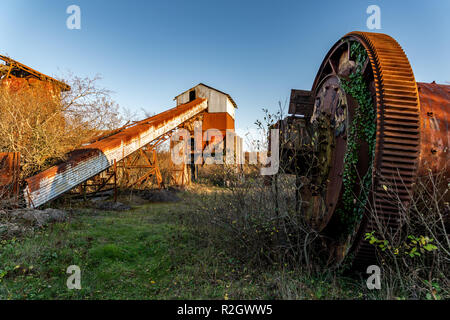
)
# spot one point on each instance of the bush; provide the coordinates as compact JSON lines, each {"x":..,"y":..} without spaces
{"x":44,"y":128}
{"x":260,"y":225}
{"x":256,"y":224}
{"x":416,"y":258}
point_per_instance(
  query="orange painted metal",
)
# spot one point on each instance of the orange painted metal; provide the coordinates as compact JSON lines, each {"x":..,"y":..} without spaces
{"x":434,"y":127}
{"x":92,"y":159}
{"x":220,"y":121}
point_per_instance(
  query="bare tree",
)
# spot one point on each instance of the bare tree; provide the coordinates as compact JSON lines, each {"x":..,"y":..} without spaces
{"x":43,"y":128}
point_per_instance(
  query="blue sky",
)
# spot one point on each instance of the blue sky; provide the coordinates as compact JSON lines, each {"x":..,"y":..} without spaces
{"x":149,"y":51}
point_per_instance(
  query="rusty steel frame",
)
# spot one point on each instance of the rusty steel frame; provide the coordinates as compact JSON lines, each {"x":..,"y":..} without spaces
{"x":152,"y":165}
{"x":126,"y":165}
{"x":130,"y":163}
{"x":90,"y":160}
{"x":99,"y":182}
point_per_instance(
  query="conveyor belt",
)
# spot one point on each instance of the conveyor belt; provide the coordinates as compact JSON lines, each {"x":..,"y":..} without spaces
{"x":90,"y":160}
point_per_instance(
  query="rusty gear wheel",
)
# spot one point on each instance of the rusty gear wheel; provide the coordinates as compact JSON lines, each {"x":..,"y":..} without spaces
{"x":393,"y":166}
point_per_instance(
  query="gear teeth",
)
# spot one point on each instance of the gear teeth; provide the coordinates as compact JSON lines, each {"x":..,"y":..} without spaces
{"x":398,"y":134}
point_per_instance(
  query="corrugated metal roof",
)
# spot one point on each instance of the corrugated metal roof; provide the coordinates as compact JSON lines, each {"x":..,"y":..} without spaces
{"x":228,"y":96}
{"x":20,"y":70}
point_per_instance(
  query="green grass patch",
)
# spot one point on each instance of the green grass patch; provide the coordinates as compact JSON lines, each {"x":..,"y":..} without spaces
{"x":144,"y":253}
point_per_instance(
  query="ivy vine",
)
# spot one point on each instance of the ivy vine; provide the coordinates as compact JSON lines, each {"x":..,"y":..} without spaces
{"x":362,"y":128}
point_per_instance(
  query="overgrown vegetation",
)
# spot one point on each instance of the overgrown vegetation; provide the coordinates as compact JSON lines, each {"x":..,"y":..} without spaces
{"x":150,"y":252}
{"x":256,"y":222}
{"x":263,"y":232}
{"x":362,"y":129}
{"x":416,"y":257}
{"x":241,"y":237}
{"x":43,"y":127}
{"x":240,"y":242}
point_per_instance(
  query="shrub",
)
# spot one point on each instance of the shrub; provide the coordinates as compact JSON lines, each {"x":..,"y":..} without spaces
{"x":43,"y":129}
{"x":416,"y":258}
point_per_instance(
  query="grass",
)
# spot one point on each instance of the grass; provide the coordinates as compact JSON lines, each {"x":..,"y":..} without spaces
{"x":145,"y":253}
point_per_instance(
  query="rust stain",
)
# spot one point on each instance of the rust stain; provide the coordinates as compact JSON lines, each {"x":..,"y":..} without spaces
{"x":9,"y":174}
{"x":15,"y":69}
{"x":435,"y":134}
{"x":18,"y":78}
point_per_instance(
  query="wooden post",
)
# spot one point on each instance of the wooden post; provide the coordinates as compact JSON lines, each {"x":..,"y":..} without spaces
{"x":84,"y":190}
{"x":115,"y":180}
{"x":16,"y":178}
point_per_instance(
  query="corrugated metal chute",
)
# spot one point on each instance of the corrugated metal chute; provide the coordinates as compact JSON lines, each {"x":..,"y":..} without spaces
{"x":92,"y":159}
